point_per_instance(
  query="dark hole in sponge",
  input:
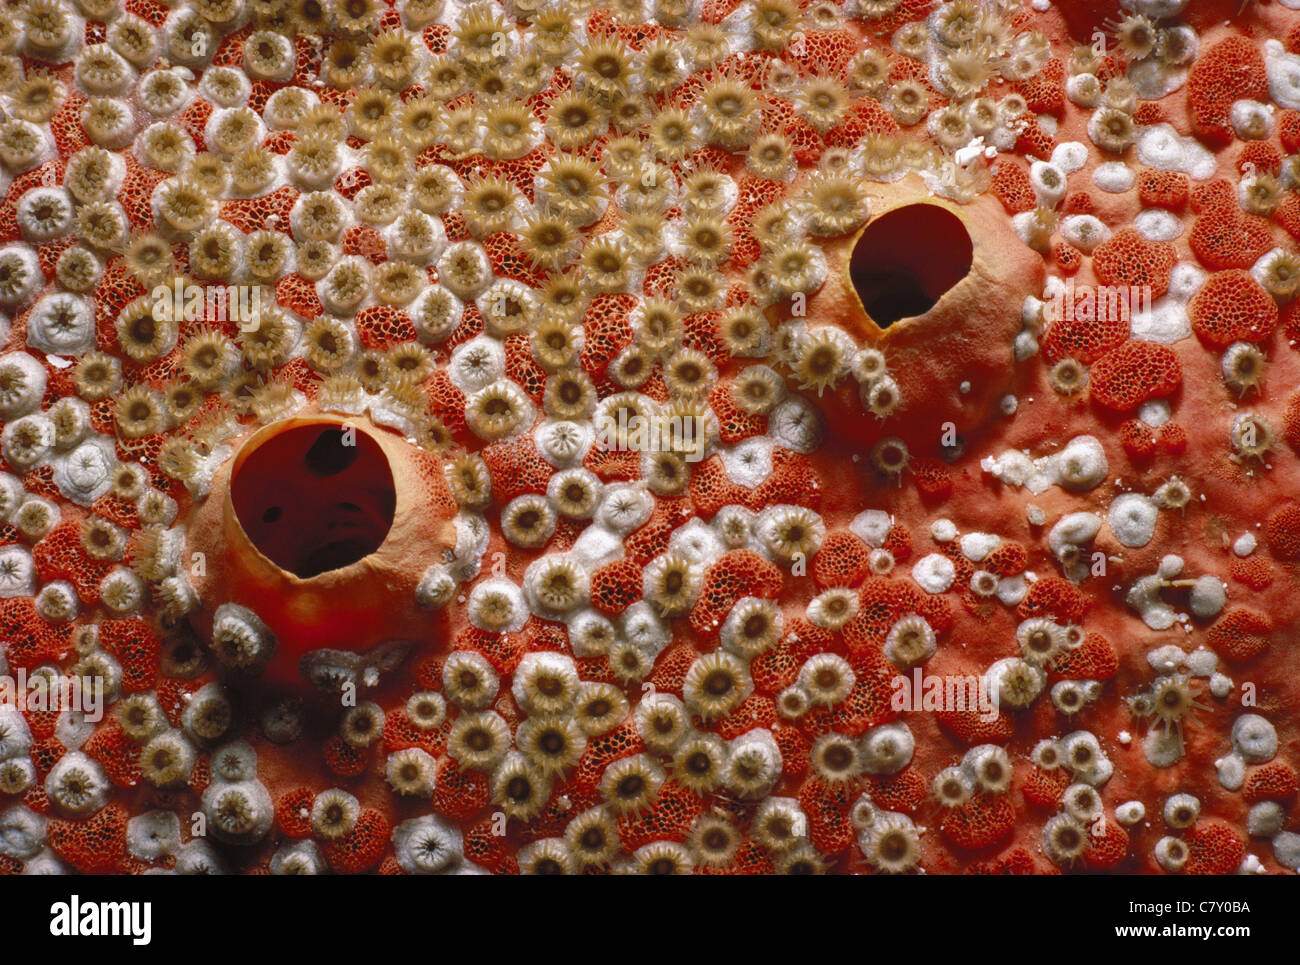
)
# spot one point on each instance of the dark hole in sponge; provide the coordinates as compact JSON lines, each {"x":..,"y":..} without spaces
{"x":315,"y":499}
{"x":905,"y":260}
{"x":331,"y":453}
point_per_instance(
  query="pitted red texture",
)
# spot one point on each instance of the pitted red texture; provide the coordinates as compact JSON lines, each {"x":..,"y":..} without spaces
{"x":118,"y":754}
{"x":1107,"y":848}
{"x":670,"y":818}
{"x":1240,"y":634}
{"x":1079,"y":202}
{"x":616,"y":586}
{"x":135,"y":645}
{"x":862,"y":118}
{"x":59,"y":556}
{"x":1083,"y":336}
{"x":1054,"y":598}
{"x":843,"y":560}
{"x":1230,"y":70}
{"x":1012,"y":187}
{"x":1138,"y":440}
{"x":95,"y":845}
{"x":826,"y":805}
{"x":644,"y":544}
{"x":1137,"y":371}
{"x":344,"y":759}
{"x":711,"y":488}
{"x":1044,"y":93}
{"x":1172,"y":438}
{"x":365,"y":242}
{"x":972,"y":728}
{"x":734,"y":424}
{"x":1149,"y":113}
{"x":933,"y":481}
{"x":1224,"y":236}
{"x":1067,"y":257}
{"x":1163,"y":189}
{"x":606,"y":330}
{"x":778,"y":667}
{"x":1288,"y":130}
{"x":623,"y":741}
{"x":1045,"y":789}
{"x":1035,"y":141}
{"x":298,"y":295}
{"x":459,"y":794}
{"x":383,"y":326}
{"x":903,"y":792}
{"x":1259,"y":157}
{"x":1232,"y":307}
{"x":508,"y":258}
{"x":362,"y":847}
{"x":793,"y":481}
{"x":1274,"y":781}
{"x":1283,"y":532}
{"x":1214,"y":849}
{"x":255,"y":214}
{"x":737,"y":574}
{"x":516,"y":468}
{"x":1128,"y":259}
{"x":980,"y":822}
{"x":293,"y":812}
{"x":1094,"y":659}
{"x":1254,"y":572}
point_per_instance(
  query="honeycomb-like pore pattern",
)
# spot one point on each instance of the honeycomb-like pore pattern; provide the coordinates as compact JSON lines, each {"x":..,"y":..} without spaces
{"x":837,"y":437}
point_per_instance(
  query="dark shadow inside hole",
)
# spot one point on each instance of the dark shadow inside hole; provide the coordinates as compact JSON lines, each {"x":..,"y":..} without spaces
{"x":315,"y":498}
{"x":905,"y":260}
{"x":330,"y":454}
